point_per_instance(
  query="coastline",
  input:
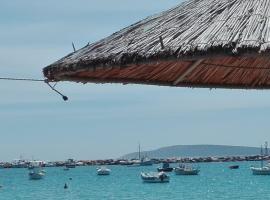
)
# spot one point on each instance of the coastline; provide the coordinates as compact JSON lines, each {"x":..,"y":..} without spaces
{"x":25,"y":163}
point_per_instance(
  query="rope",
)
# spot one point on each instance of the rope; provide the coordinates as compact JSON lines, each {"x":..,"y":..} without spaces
{"x":21,"y":79}
{"x":65,"y":98}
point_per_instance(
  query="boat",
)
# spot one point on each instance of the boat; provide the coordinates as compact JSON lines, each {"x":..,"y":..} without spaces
{"x":33,"y":164}
{"x":154,"y":177}
{"x":36,"y":172}
{"x":19,"y":163}
{"x":125,"y":162}
{"x":165,"y":168}
{"x":142,"y":161}
{"x":70,"y":163}
{"x":186,"y":170}
{"x":234,"y":167}
{"x":103,"y":171}
{"x":146,"y":162}
{"x":262,"y":170}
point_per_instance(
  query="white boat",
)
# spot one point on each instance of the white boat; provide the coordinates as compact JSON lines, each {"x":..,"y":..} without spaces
{"x":19,"y":163}
{"x":36,"y":172}
{"x":262,"y":170}
{"x":186,"y":170}
{"x":142,"y":161}
{"x":70,"y":163}
{"x":154,"y":177}
{"x":103,"y":171}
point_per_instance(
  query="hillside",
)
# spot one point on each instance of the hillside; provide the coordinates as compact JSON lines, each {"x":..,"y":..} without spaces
{"x":197,"y":151}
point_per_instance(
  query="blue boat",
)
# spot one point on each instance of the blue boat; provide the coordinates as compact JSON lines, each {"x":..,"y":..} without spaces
{"x":165,"y":168}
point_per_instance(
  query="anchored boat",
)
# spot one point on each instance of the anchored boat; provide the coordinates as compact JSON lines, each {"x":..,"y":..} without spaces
{"x":234,"y":167}
{"x":153,"y":177}
{"x":165,"y":168}
{"x":103,"y":171}
{"x":262,"y":170}
{"x":186,"y":170}
{"x":36,"y":172}
{"x":70,"y":163}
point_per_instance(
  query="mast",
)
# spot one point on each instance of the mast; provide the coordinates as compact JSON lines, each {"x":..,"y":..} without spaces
{"x":139,"y":151}
{"x":266,"y":148}
{"x":261,"y":156}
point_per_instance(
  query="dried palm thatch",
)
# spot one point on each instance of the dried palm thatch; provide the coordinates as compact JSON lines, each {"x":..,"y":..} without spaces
{"x":200,"y":43}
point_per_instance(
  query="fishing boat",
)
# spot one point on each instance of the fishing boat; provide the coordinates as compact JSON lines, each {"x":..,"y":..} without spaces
{"x":234,"y":167}
{"x":70,"y":163}
{"x":262,"y":170}
{"x":36,"y":172}
{"x":153,"y":177}
{"x":103,"y":171}
{"x":186,"y":170}
{"x":165,"y":167}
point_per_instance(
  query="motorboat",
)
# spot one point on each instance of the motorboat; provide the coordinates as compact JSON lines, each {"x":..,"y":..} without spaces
{"x":103,"y":171}
{"x":262,"y":170}
{"x":186,"y":170}
{"x":70,"y":163}
{"x":234,"y":167}
{"x":154,"y":177}
{"x":36,"y":172}
{"x":165,"y":167}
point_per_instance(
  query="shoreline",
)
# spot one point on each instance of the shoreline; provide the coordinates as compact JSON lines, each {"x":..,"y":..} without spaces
{"x":123,"y":162}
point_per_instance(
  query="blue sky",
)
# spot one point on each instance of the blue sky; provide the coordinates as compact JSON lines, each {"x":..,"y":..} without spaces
{"x":105,"y":121}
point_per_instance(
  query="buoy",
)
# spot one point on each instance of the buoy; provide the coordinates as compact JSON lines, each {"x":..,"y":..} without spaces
{"x":70,"y":178}
{"x":65,"y":187}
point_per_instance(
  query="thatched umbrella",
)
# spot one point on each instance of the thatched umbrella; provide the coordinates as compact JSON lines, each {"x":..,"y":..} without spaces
{"x":200,"y":43}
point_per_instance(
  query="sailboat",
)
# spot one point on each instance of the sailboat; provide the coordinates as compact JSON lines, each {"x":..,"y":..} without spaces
{"x":262,"y":170}
{"x":142,"y":161}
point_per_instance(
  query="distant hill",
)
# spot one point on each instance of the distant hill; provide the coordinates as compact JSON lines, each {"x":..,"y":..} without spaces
{"x":197,"y":151}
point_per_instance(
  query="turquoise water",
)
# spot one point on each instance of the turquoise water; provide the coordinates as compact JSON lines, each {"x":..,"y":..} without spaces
{"x":216,"y":181}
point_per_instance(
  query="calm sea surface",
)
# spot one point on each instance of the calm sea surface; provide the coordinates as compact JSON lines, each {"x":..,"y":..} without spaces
{"x":216,"y":181}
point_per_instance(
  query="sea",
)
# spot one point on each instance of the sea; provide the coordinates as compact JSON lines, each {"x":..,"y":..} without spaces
{"x":216,"y":181}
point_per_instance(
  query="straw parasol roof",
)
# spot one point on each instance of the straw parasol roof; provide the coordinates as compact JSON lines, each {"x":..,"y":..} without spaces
{"x":200,"y":43}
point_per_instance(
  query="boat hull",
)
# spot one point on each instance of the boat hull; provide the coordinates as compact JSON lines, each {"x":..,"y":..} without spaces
{"x":260,"y":171}
{"x":234,"y":167}
{"x":169,"y":169}
{"x":186,"y":172}
{"x":70,"y":166}
{"x":146,"y":163}
{"x":36,"y":176}
{"x":103,"y":172}
{"x":148,"y":178}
